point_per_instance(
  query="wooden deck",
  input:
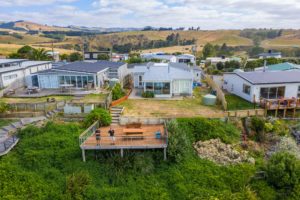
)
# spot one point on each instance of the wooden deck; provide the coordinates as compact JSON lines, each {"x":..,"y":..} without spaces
{"x":146,"y":140}
{"x":281,"y":104}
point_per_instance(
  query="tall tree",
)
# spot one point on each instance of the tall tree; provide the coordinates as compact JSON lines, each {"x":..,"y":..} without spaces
{"x":39,"y":54}
{"x":208,"y":51}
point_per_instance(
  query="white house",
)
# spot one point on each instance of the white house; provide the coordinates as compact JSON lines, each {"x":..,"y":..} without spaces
{"x":12,"y":70}
{"x":259,"y":84}
{"x":223,"y":59}
{"x":183,"y":58}
{"x":80,"y":75}
{"x":164,"y":79}
{"x":270,"y":54}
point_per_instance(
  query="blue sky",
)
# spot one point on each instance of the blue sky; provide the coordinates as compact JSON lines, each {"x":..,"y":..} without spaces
{"x":208,"y":14}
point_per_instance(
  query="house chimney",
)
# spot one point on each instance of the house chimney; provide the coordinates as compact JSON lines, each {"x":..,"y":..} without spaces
{"x":265,"y":65}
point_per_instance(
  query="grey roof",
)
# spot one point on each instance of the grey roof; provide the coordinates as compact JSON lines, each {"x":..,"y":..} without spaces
{"x":90,"y":67}
{"x":157,"y":56}
{"x":165,"y":72}
{"x":185,"y":56}
{"x":270,"y":54}
{"x":23,"y":65}
{"x":179,"y":66}
{"x":270,"y":77}
{"x":4,"y":61}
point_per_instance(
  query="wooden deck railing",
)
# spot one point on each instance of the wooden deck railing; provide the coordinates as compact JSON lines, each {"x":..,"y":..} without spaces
{"x":273,"y":104}
{"x":88,"y":132}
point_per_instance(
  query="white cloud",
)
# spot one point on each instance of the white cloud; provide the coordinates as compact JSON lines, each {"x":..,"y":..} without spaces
{"x":212,"y":14}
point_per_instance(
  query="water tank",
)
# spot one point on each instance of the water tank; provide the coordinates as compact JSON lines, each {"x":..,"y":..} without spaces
{"x":209,"y":100}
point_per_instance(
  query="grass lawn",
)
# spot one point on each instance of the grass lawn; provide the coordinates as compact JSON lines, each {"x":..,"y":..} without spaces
{"x":34,"y":100}
{"x":188,"y":107}
{"x":92,"y":98}
{"x":236,"y":103}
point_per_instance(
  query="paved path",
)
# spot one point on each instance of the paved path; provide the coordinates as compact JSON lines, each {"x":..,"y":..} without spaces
{"x":7,"y":138}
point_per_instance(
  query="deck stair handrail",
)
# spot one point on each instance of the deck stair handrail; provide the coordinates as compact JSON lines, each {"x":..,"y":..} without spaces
{"x":88,"y":132}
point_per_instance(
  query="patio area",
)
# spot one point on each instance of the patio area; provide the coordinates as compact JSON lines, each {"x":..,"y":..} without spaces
{"x":22,"y":92}
{"x":125,"y":137}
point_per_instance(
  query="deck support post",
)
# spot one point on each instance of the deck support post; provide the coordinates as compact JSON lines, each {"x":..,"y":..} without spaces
{"x":165,"y":153}
{"x":83,"y":155}
{"x":122,"y":153}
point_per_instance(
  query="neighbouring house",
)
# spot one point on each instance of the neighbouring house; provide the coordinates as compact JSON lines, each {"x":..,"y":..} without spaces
{"x":159,"y":56}
{"x":54,"y":55}
{"x":186,"y":58}
{"x":183,"y":58}
{"x":279,"y":67}
{"x":270,"y":54}
{"x":93,"y":55}
{"x":119,"y":57}
{"x":17,"y":70}
{"x":164,"y":79}
{"x":259,"y":84}
{"x":80,"y":75}
{"x":215,"y":60}
{"x":197,"y":73}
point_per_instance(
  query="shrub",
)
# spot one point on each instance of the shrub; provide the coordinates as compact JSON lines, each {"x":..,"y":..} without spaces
{"x":100,"y":114}
{"x":4,"y":107}
{"x":178,"y":143}
{"x":206,"y":129}
{"x":76,"y":185}
{"x":258,"y":125}
{"x":280,"y":128}
{"x":117,"y":92}
{"x":269,"y":127}
{"x":283,"y":171}
{"x":148,"y":94}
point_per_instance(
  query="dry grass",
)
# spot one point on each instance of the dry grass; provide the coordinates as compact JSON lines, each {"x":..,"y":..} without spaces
{"x":6,"y":49}
{"x":188,"y":107}
{"x":35,"y":100}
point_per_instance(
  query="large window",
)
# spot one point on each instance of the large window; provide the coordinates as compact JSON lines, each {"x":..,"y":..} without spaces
{"x":299,"y":91}
{"x":246,"y":89}
{"x":161,"y":88}
{"x":272,"y":92}
{"x":149,"y":86}
{"x":61,"y":80}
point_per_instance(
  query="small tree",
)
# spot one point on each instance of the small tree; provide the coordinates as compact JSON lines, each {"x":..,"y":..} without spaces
{"x":76,"y":185}
{"x":4,"y":107}
{"x":100,"y":114}
{"x":283,"y":171}
{"x":117,"y":92}
{"x":103,"y":57}
{"x":75,"y":57}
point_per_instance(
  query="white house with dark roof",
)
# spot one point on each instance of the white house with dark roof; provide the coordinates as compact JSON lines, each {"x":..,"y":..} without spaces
{"x":270,"y":54}
{"x":12,"y":70}
{"x":260,"y":84}
{"x":164,"y":79}
{"x":80,"y":75}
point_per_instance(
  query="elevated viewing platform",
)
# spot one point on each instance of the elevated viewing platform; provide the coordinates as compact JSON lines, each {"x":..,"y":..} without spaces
{"x":284,"y":104}
{"x":131,"y":136}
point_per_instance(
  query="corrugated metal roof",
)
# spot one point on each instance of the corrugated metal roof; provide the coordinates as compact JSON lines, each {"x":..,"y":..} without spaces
{"x":4,"y":61}
{"x":90,"y":67}
{"x":271,"y":77}
{"x":166,"y":72}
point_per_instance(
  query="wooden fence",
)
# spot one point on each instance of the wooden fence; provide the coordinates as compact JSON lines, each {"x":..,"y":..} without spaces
{"x":246,"y":113}
{"x":36,"y":107}
{"x":220,"y":95}
{"x":117,"y":102}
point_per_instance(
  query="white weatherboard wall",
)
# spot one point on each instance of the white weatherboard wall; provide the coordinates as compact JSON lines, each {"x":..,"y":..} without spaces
{"x":234,"y":84}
